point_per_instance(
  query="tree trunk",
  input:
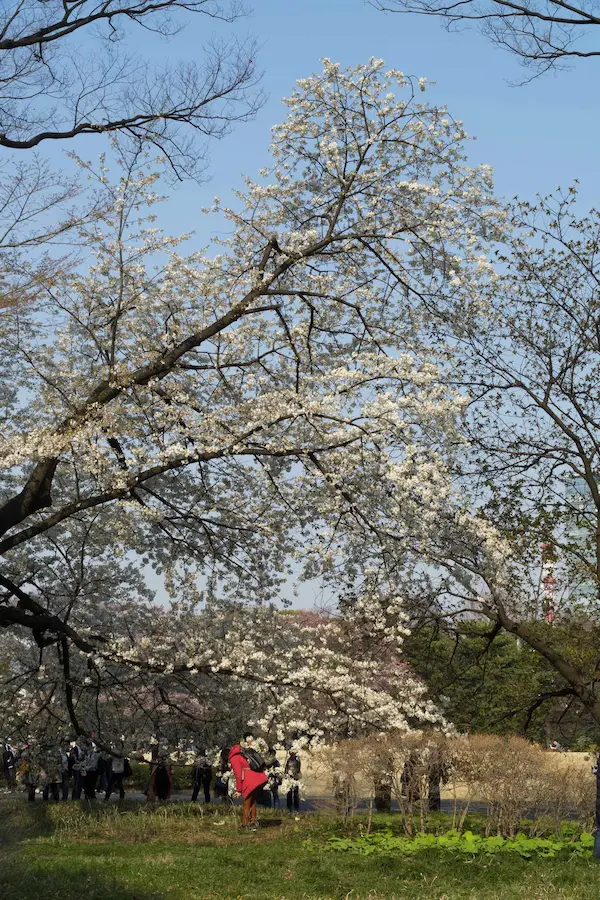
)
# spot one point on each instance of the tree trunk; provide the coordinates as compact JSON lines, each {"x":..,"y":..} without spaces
{"x":597,"y":832}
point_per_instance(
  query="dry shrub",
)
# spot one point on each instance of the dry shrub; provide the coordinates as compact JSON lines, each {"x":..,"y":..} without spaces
{"x":419,"y":763}
{"x":504,"y":773}
{"x":405,"y":766}
{"x":582,"y":795}
{"x":517,"y":779}
{"x":512,"y":777}
{"x":342,"y":764}
{"x":567,"y":791}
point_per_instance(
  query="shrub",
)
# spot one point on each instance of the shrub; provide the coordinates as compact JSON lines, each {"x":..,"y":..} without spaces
{"x":514,"y":778}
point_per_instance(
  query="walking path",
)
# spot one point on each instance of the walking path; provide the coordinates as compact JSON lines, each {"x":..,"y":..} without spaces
{"x":310,"y":804}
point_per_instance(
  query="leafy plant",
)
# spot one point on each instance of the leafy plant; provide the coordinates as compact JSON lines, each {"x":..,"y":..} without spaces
{"x":465,"y":844}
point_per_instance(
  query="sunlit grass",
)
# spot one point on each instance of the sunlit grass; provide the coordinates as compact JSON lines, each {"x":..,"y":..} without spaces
{"x":189,"y":852}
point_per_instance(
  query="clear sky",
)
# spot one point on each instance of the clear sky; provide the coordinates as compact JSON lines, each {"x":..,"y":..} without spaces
{"x":536,"y":137}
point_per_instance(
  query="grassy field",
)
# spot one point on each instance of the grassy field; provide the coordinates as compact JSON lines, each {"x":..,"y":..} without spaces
{"x":180,"y":853}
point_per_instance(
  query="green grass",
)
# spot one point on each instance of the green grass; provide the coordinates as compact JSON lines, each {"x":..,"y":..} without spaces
{"x":181,"y":853}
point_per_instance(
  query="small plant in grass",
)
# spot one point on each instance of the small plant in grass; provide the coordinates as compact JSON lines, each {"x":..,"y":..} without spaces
{"x":460,"y":843}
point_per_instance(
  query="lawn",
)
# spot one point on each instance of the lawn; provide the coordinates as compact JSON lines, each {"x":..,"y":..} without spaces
{"x":178,"y":853}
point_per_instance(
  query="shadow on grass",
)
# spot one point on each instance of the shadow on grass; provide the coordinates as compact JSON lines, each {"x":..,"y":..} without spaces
{"x":27,"y":879}
{"x":21,"y":821}
{"x":33,"y":867}
{"x":270,"y":823}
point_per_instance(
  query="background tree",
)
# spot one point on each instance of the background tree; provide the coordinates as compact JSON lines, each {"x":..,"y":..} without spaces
{"x":500,"y":686}
{"x":529,"y":557}
{"x":67,"y":70}
{"x":40,"y":212}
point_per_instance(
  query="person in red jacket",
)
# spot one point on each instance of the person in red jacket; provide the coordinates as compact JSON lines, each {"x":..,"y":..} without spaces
{"x":248,"y":782}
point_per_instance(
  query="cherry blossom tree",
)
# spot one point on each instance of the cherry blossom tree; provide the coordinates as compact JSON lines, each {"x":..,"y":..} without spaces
{"x":239,"y":417}
{"x":205,"y":676}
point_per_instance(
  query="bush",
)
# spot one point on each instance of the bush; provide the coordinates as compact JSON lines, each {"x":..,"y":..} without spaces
{"x":514,"y":778}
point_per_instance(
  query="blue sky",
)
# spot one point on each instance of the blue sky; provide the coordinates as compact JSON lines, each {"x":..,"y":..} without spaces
{"x":536,"y":137}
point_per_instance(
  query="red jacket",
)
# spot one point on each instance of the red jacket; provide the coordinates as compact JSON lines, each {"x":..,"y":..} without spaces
{"x":246,"y":779}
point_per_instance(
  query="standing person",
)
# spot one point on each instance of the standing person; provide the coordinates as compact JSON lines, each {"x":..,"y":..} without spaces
{"x":382,"y":790}
{"x":64,"y":765}
{"x":410,"y":778}
{"x":436,"y":775}
{"x":76,"y":757}
{"x":29,"y":769}
{"x":89,"y":767}
{"x":343,"y":793}
{"x":274,"y":774}
{"x":120,"y":765}
{"x":52,"y":777}
{"x":104,"y":769}
{"x":250,"y":778}
{"x":221,"y":779}
{"x":8,"y":766}
{"x":293,"y":770}
{"x":161,"y":780}
{"x":202,"y":776}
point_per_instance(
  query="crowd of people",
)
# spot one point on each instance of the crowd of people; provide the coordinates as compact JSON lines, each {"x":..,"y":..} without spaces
{"x":72,"y":769}
{"x":65,"y":769}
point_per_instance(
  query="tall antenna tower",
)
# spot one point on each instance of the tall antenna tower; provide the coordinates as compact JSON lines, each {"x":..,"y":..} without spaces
{"x":548,"y":583}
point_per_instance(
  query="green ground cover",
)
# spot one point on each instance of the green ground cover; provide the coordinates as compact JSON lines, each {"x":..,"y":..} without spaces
{"x":180,"y":853}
